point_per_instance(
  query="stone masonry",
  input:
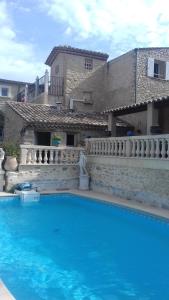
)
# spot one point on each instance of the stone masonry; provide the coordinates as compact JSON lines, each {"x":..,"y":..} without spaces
{"x":45,"y":177}
{"x":144,"y":181}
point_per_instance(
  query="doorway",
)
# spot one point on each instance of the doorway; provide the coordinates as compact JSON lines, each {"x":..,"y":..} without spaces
{"x":70,"y":140}
{"x":43,"y":138}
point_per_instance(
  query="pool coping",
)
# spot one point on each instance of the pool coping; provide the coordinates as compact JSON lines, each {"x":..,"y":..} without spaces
{"x":111,"y":199}
{"x":132,"y":204}
{"x":5,"y":294}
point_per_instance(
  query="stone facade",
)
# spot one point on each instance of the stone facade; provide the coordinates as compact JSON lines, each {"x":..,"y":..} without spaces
{"x":78,"y":80}
{"x":119,"y":81}
{"x":13,"y":126}
{"x":142,"y":180}
{"x":146,"y":86}
{"x":45,"y":177}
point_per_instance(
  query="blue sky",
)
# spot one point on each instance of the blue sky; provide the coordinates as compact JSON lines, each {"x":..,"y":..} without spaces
{"x":29,"y":29}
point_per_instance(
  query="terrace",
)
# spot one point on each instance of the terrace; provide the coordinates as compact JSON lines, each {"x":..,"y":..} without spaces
{"x":41,"y":88}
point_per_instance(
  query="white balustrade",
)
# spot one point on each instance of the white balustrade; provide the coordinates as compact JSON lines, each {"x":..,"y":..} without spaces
{"x":49,"y":155}
{"x":151,"y":146}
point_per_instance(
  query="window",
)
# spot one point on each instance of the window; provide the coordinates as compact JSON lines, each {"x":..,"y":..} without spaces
{"x":87,"y":96}
{"x":88,"y":64}
{"x":158,"y":69}
{"x":4,"y":92}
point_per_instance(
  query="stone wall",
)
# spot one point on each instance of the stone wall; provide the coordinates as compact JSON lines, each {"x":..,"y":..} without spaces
{"x":78,"y":80}
{"x":119,"y":80}
{"x":13,"y":126}
{"x":144,"y":180}
{"x":45,"y":177}
{"x":148,"y":87}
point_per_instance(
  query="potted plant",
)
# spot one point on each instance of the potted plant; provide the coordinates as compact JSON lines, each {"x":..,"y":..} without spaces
{"x":11,"y":156}
{"x":56,"y":140}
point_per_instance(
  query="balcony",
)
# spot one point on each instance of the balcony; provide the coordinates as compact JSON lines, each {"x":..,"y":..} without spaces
{"x":53,"y":85}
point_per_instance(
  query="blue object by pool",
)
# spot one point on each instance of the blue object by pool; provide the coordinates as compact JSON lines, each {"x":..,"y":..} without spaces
{"x":25,"y":186}
{"x":70,"y":248}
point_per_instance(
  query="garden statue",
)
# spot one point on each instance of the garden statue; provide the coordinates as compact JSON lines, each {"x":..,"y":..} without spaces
{"x":82,"y":164}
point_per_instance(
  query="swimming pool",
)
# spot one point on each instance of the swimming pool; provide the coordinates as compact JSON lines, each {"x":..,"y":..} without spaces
{"x":68,"y":247}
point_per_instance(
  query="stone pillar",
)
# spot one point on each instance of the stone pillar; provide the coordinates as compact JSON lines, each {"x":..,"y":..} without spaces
{"x":112,"y":124}
{"x":26,"y":93}
{"x":2,"y":173}
{"x":152,"y":117}
{"x":46,"y":87}
{"x":37,"y":87}
{"x":2,"y":180}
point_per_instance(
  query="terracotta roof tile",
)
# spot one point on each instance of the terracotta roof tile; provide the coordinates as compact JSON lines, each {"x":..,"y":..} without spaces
{"x":40,"y":115}
{"x":74,"y":51}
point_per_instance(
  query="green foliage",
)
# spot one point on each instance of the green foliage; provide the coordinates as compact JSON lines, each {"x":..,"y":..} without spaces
{"x":11,"y":149}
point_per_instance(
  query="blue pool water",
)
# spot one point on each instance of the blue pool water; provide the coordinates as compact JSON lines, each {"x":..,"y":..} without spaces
{"x":70,"y":248}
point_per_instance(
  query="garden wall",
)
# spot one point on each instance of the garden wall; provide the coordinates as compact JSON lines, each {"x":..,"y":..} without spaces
{"x":144,"y":180}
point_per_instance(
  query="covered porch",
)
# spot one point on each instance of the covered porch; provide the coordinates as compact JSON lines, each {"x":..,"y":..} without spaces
{"x":154,"y":116}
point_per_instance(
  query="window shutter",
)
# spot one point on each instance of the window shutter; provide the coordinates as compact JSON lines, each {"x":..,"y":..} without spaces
{"x":150,"y":67}
{"x":167,"y":71}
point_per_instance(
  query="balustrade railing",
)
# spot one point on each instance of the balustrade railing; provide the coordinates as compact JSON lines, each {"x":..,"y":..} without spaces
{"x":56,"y":86}
{"x":49,"y":155}
{"x":154,"y":146}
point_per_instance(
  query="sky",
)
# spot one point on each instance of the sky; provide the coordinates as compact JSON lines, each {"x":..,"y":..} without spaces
{"x":29,"y":29}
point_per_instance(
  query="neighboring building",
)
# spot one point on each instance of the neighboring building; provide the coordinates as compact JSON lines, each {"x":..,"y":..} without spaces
{"x":10,"y":90}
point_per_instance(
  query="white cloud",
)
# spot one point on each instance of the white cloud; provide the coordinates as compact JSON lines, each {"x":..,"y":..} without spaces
{"x":129,"y":23}
{"x":17,"y":59}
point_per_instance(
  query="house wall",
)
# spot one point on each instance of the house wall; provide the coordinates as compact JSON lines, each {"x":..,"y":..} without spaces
{"x":142,"y":180}
{"x":148,"y":87}
{"x":14,"y":89}
{"x":119,"y":80}
{"x":78,"y":80}
{"x":13,"y":126}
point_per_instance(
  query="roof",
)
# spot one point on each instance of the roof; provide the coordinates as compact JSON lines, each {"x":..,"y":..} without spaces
{"x":74,"y":51}
{"x":46,"y":116}
{"x":13,"y":81}
{"x":136,"y":107}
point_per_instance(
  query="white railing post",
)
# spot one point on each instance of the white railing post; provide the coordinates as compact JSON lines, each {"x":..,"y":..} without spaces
{"x":128,"y":148}
{"x":37,"y":86}
{"x":23,"y":154}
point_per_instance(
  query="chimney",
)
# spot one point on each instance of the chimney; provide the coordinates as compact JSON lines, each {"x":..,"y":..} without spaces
{"x":58,"y":106}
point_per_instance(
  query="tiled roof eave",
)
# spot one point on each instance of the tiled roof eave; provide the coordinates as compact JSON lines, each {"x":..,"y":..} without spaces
{"x":140,"y":106}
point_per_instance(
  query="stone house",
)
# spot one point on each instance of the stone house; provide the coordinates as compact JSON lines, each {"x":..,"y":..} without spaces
{"x":84,"y":81}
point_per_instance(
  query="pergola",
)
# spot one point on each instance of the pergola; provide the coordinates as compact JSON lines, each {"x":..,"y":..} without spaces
{"x":151,"y":106}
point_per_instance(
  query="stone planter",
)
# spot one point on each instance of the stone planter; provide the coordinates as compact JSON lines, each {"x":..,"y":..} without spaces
{"x":11,"y":163}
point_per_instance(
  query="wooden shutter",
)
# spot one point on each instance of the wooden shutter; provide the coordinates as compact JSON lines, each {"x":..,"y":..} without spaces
{"x":150,"y":67}
{"x":167,"y":70}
